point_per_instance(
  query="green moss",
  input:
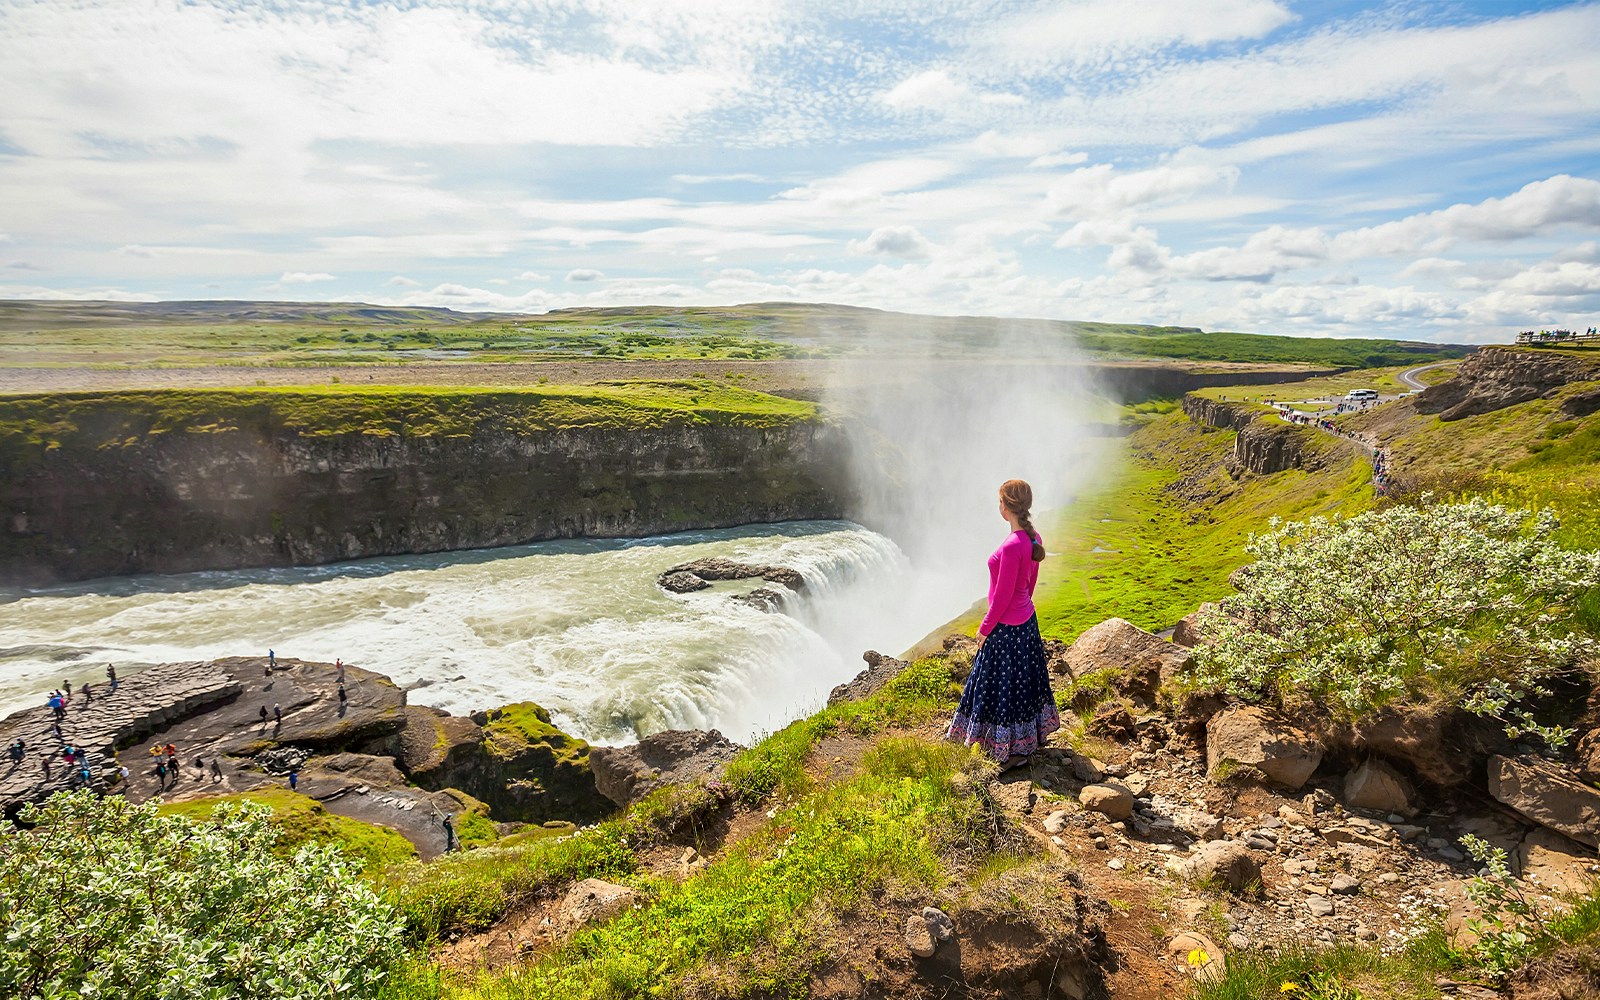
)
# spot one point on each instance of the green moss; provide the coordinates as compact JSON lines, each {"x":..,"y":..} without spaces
{"x":525,"y":724}
{"x":302,"y":819}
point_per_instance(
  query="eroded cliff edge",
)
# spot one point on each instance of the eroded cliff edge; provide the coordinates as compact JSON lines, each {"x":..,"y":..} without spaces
{"x":129,"y":483}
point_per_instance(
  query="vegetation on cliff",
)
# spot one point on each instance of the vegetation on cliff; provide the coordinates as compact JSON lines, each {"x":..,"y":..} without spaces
{"x":299,"y":820}
{"x":112,"y":419}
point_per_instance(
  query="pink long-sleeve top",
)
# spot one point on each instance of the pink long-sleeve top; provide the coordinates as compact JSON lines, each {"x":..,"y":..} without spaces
{"x":1012,"y":575}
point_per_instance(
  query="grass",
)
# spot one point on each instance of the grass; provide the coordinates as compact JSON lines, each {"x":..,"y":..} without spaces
{"x":302,"y":820}
{"x":112,"y":419}
{"x":32,"y":334}
{"x":752,"y":922}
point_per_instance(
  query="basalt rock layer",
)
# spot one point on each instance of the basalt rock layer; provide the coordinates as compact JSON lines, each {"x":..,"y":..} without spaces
{"x":250,"y":491}
{"x":1497,"y":377}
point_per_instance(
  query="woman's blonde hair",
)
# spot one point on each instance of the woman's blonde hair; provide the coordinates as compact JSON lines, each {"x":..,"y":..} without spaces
{"x":1017,"y":496}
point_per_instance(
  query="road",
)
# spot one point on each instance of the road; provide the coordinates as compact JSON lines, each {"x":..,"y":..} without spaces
{"x":1408,"y":378}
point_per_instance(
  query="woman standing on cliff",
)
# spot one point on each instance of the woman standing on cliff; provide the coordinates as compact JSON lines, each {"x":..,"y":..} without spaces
{"x":1007,"y":706}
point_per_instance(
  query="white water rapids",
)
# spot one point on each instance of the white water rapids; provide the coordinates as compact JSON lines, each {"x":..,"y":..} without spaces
{"x":577,"y":626}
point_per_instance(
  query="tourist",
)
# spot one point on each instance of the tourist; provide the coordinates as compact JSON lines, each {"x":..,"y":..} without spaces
{"x":161,"y":774}
{"x":277,"y":715}
{"x":88,"y":694}
{"x":44,"y":765}
{"x":17,"y":751}
{"x":1007,"y":706}
{"x":342,"y":697}
{"x":449,"y":835}
{"x":122,"y":774}
{"x":272,"y":660}
{"x":58,"y":707}
{"x":68,"y":686}
{"x":111,"y":677}
{"x":339,"y":665}
{"x":216,"y":770}
{"x":294,"y":778}
{"x":263,"y":714}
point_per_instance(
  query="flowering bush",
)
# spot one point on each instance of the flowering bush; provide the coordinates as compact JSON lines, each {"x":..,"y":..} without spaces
{"x":107,"y":899}
{"x":1469,"y":601}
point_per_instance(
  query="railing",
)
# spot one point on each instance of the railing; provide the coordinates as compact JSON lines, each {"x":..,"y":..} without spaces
{"x":1558,"y":338}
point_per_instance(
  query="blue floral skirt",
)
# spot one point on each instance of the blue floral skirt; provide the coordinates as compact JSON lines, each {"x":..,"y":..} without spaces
{"x":1007,"y":706}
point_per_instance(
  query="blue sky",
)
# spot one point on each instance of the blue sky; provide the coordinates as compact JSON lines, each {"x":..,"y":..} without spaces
{"x":1420,"y":170}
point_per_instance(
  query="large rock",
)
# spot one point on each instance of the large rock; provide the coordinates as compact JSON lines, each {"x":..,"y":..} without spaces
{"x":1438,"y":742}
{"x":1555,"y":863}
{"x":674,"y":757}
{"x":1187,"y":632}
{"x":1250,"y":735}
{"x":1588,"y":763}
{"x":1548,"y":796}
{"x":594,"y":900}
{"x":516,"y":760}
{"x":1222,"y":863}
{"x":880,"y":671}
{"x":1143,"y":661}
{"x":1375,"y":785}
{"x":1494,"y":378}
{"x":682,"y":577}
{"x":1110,"y":798}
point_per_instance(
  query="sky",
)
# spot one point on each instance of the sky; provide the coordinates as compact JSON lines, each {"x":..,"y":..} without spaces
{"x":1425,"y":171}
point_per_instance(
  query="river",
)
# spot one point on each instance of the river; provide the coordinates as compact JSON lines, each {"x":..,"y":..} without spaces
{"x":578,"y":626}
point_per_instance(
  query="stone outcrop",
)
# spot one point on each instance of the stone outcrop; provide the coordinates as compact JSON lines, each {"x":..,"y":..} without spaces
{"x":1377,"y":786}
{"x":1548,"y":796}
{"x":1143,"y":662}
{"x":1265,"y":443}
{"x":880,"y":671}
{"x":674,"y":757}
{"x":123,"y":494}
{"x":594,"y":900}
{"x":698,"y":574}
{"x":1256,"y":738}
{"x":1497,"y":377}
{"x":1436,"y":743}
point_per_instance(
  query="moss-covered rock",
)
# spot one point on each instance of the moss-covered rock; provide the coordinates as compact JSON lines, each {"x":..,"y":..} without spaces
{"x":512,"y":758}
{"x":302,"y":819}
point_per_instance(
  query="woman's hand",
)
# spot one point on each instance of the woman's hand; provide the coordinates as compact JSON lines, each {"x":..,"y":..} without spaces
{"x":981,"y":638}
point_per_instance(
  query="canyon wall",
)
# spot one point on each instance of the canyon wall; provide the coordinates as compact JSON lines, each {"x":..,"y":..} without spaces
{"x":258,"y":496}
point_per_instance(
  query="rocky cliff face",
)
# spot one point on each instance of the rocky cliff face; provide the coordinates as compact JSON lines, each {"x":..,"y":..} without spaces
{"x":1497,"y":377}
{"x":239,"y":497}
{"x":1265,"y":444}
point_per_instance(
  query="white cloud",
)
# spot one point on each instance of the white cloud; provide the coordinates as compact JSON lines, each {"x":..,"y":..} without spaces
{"x":584,"y":274}
{"x":401,"y":281}
{"x":100,"y":294}
{"x":894,"y":241}
{"x":532,"y":276}
{"x":304,"y":277}
{"x":1539,"y":208}
{"x":1059,"y":160}
{"x":1094,"y":30}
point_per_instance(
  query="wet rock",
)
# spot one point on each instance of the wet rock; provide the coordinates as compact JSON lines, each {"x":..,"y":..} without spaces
{"x":762,"y":599}
{"x":1548,"y":796}
{"x":1142,"y":661}
{"x":1377,"y":786}
{"x":880,"y":670}
{"x":919,"y":937}
{"x":1252,"y":736}
{"x":673,"y":757}
{"x":1222,"y":862}
{"x":717,"y":568}
{"x":681,"y":582}
{"x":594,"y":900}
{"x":1113,"y":800}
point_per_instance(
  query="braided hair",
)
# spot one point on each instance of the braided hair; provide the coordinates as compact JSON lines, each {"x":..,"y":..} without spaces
{"x":1017,"y":496}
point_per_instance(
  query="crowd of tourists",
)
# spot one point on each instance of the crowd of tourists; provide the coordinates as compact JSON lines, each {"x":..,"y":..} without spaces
{"x":1556,"y":336}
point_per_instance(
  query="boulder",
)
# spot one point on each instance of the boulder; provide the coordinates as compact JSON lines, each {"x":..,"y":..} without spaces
{"x":674,"y":757}
{"x":1143,"y":661}
{"x":1187,"y":632}
{"x":1377,"y":786}
{"x":1110,"y":798}
{"x":1250,"y":735}
{"x":880,"y":671}
{"x":1548,"y":796}
{"x":1437,"y":742}
{"x":680,"y":582}
{"x":515,"y":759}
{"x":1112,"y":722}
{"x":1223,"y":863}
{"x":594,"y":900}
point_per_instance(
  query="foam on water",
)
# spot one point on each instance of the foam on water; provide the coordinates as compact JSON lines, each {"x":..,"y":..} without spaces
{"x":578,"y":626}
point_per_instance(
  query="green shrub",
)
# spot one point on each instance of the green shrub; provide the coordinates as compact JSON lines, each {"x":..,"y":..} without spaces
{"x":103,"y":898}
{"x":1470,"y":602}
